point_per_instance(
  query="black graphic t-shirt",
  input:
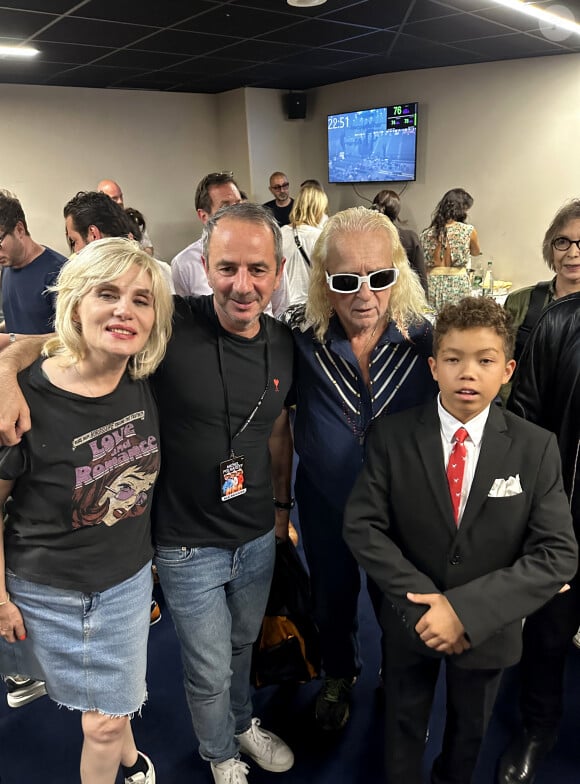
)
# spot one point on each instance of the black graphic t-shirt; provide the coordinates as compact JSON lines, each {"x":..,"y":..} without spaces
{"x":79,"y":514}
{"x":189,"y":386}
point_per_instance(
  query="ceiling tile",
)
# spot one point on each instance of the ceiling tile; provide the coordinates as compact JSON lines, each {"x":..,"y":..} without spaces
{"x":181,"y":42}
{"x":74,"y":54}
{"x":159,"y":14}
{"x":48,"y":6}
{"x":373,"y":43}
{"x":14,"y":24}
{"x":259,"y":50}
{"x":373,"y":13}
{"x":513,"y":46}
{"x":83,"y":31}
{"x":454,"y":28}
{"x":136,"y":58}
{"x":237,"y":22}
{"x":314,"y":32}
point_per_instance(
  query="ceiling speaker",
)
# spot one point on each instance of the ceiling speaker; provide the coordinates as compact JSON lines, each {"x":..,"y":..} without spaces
{"x":295,"y":104}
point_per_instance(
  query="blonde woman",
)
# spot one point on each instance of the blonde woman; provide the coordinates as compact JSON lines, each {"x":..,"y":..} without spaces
{"x":299,"y":238}
{"x":361,"y":349}
{"x":75,"y":555}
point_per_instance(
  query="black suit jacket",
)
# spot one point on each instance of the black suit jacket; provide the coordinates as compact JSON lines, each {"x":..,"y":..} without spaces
{"x":507,"y":558}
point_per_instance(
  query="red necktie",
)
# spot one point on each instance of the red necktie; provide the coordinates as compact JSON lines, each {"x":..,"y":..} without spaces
{"x":455,"y":469}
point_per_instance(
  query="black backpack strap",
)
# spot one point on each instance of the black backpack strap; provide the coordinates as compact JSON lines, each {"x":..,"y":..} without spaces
{"x":300,"y":248}
{"x":535,"y":308}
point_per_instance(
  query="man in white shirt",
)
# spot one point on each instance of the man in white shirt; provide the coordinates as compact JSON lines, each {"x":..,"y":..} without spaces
{"x":214,"y":191}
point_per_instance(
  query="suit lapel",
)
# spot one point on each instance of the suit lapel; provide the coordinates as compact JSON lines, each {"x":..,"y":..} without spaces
{"x":428,"y":441}
{"x":494,"y":447}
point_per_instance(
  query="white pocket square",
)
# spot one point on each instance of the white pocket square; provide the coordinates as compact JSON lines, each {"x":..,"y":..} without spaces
{"x":503,"y":488}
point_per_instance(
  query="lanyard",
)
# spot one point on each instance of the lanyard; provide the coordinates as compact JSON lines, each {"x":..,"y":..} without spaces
{"x":226,"y":393}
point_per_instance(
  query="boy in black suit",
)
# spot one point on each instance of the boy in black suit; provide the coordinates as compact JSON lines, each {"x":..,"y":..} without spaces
{"x":460,"y":518}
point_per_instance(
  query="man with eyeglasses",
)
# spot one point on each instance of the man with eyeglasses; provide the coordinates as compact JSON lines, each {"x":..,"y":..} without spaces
{"x":213,"y":192}
{"x":282,"y":203}
{"x":361,"y":350}
{"x":28,"y":269}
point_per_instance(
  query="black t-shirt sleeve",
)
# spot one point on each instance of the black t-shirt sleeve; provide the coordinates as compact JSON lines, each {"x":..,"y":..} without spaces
{"x":13,"y":461}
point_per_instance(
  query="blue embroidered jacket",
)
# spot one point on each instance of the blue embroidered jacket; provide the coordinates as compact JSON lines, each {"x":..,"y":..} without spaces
{"x":334,"y":407}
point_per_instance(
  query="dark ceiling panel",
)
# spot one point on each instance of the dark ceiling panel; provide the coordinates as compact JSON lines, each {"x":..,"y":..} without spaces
{"x":48,"y":6}
{"x":322,"y":58}
{"x":216,"y":45}
{"x":15,"y":24}
{"x":237,"y":22}
{"x":514,"y":46}
{"x":261,"y":51}
{"x":454,"y":28}
{"x":308,"y":13}
{"x":180,"y":42}
{"x":315,"y":32}
{"x":160,"y":14}
{"x":136,"y":58}
{"x":69,"y":30}
{"x":373,"y":43}
{"x":73,"y":54}
{"x":373,"y":13}
{"x":206,"y":67}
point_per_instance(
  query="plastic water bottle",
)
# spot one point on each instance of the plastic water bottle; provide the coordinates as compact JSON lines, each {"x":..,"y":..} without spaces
{"x":487,"y":283}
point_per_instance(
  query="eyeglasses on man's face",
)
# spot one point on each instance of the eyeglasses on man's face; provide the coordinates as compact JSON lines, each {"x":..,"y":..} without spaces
{"x":3,"y":237}
{"x":281,"y":187}
{"x":350,"y":283}
{"x":564,"y":243}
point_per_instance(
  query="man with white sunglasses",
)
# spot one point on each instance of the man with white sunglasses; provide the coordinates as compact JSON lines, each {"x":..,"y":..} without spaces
{"x":361,"y":349}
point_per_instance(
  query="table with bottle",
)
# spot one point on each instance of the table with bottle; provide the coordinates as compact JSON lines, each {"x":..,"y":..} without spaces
{"x":485,"y":284}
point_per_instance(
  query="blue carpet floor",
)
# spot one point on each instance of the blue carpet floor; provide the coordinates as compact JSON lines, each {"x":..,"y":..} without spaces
{"x":40,"y":743}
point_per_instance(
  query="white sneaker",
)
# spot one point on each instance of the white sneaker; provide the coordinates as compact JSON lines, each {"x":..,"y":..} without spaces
{"x":576,"y":639}
{"x":265,"y":748}
{"x":232,"y":771}
{"x":143,"y":778}
{"x":22,"y":690}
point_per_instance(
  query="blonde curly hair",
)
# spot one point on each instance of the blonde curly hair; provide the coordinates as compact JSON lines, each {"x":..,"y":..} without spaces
{"x":407,"y":303}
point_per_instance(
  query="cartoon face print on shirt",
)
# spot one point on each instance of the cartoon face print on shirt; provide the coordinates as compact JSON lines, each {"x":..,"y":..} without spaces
{"x":117,"y":482}
{"x":127,"y":495}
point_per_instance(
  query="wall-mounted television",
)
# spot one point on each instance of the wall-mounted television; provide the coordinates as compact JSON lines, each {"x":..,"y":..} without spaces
{"x":373,"y":145}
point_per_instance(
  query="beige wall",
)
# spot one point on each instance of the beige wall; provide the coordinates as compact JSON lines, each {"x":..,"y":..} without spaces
{"x":508,"y":132}
{"x":59,"y":140}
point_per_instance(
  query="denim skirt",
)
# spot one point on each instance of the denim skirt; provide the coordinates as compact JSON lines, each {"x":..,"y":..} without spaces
{"x":89,"y":648}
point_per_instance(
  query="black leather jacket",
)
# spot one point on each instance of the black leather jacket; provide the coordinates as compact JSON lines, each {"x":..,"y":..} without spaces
{"x":546,"y":388}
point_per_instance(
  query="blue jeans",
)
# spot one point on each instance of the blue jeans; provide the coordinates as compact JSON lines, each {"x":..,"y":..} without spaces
{"x":217,"y":598}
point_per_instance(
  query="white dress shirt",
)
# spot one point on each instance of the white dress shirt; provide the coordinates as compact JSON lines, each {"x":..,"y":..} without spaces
{"x":475,"y":426}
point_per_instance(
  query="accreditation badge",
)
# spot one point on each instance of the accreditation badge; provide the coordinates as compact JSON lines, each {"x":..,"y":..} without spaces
{"x":232,"y":478}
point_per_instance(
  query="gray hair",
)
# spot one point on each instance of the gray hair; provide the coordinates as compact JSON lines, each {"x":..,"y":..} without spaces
{"x":249,"y":213}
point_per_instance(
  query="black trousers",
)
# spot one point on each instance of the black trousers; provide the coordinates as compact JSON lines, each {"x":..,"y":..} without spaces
{"x":409,"y":688}
{"x":547,"y":637}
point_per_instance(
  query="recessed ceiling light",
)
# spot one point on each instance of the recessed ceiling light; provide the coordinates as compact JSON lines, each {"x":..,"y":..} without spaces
{"x":305,"y":3}
{"x":18,"y":51}
{"x":547,"y":17}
